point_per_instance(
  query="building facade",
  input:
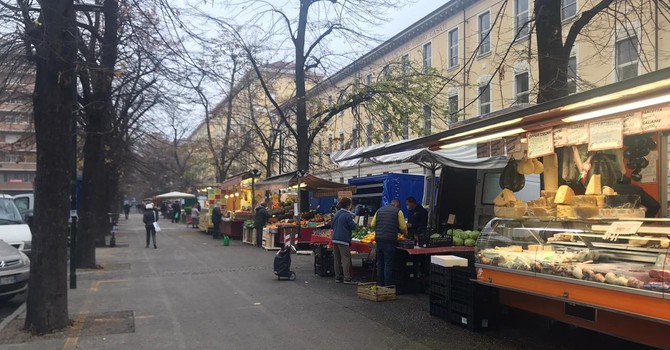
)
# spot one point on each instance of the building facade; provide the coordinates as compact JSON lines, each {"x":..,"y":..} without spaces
{"x":18,"y":153}
{"x":485,"y":52}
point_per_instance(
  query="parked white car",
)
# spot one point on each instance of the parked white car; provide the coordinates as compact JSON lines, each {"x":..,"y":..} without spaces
{"x":13,"y":230}
{"x":14,"y":271}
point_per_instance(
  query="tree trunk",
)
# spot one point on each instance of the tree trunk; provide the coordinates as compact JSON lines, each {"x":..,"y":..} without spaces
{"x":47,"y":306}
{"x":552,"y":58}
{"x":94,"y":188}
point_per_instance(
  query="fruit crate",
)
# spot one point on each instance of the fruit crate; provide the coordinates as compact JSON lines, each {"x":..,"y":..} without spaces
{"x":444,"y":241}
{"x":324,"y":262}
{"x":371,"y":291}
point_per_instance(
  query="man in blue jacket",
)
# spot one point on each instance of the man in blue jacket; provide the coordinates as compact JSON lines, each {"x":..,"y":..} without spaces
{"x":343,"y":224}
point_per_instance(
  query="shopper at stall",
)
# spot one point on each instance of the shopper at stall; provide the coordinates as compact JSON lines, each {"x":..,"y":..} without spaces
{"x":149,"y":218}
{"x":417,"y":218}
{"x":195,"y":216}
{"x":261,"y":217}
{"x":164,"y":210}
{"x":343,"y":224}
{"x":176,"y":211}
{"x":216,"y":221}
{"x":387,"y":223}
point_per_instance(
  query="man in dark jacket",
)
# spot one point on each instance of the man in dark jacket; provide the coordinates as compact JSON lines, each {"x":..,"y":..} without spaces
{"x":261,"y":217}
{"x":216,"y":222}
{"x":343,"y":224}
{"x":417,"y":218}
{"x":388,"y":222}
{"x":149,"y":218}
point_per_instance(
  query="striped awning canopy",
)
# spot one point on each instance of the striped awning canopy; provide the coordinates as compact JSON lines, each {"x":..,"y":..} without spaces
{"x":232,"y":182}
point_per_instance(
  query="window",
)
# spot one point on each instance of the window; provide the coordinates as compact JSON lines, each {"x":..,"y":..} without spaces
{"x":626,"y":58}
{"x":368,"y":79}
{"x":427,"y":120}
{"x":330,"y":101}
{"x":484,"y":33}
{"x":572,"y":75}
{"x":341,"y":140}
{"x":521,"y":29}
{"x":330,"y":144}
{"x":319,"y":156}
{"x":405,"y":127}
{"x":453,"y":108}
{"x":453,"y":48}
{"x":10,"y":158}
{"x":427,"y":57}
{"x":354,"y":138}
{"x":484,"y":99}
{"x":370,"y":131}
{"x":568,"y":9}
{"x":522,"y":88}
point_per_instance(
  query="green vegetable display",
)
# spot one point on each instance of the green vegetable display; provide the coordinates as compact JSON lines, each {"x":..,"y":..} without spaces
{"x":359,"y":232}
{"x":458,"y":240}
{"x":469,"y":242}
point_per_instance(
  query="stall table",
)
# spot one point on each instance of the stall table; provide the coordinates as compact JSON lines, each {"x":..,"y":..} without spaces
{"x":355,"y":246}
{"x":232,"y":228}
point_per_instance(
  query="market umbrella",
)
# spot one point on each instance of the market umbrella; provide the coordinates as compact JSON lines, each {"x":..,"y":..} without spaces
{"x":175,"y":195}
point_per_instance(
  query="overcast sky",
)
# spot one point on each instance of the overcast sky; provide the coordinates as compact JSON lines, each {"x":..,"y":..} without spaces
{"x":410,"y":14}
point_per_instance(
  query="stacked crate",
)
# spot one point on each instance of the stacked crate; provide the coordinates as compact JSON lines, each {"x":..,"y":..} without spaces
{"x":324,"y":261}
{"x":455,"y":297}
{"x":407,"y":273}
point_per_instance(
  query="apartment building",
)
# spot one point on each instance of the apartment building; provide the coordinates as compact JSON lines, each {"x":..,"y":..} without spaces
{"x":254,"y":124}
{"x":486,"y":51}
{"x":18,"y":153}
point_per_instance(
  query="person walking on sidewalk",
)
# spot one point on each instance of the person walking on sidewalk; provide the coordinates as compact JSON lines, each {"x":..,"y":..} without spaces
{"x":343,"y":224}
{"x":261,"y":217}
{"x":195,"y":216}
{"x":149,"y":218}
{"x":387,"y":223}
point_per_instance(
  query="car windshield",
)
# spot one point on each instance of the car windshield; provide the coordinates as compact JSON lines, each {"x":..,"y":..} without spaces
{"x":8,"y":212}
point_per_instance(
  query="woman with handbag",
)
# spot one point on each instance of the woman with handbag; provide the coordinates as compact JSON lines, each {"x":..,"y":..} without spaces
{"x":150,"y":220}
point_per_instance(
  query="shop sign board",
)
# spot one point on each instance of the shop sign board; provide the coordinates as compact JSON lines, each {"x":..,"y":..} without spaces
{"x":606,"y":134}
{"x":656,"y":119}
{"x":540,"y":143}
{"x":484,"y":150}
{"x":512,"y":144}
{"x":343,"y":194}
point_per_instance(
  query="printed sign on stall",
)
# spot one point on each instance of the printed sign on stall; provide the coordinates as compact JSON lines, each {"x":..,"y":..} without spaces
{"x":632,"y":123}
{"x":656,"y":119}
{"x":540,"y":143}
{"x":343,"y":194}
{"x":497,"y":148}
{"x":512,"y":144}
{"x":606,"y":134}
{"x":578,"y":134}
{"x":484,"y":150}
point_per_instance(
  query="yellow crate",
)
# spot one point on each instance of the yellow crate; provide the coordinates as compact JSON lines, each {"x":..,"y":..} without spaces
{"x":380,"y":294}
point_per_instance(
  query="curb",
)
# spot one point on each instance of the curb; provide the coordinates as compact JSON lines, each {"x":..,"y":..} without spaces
{"x":21,"y":309}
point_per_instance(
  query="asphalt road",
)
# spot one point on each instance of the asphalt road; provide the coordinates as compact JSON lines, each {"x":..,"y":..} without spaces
{"x":194,"y":293}
{"x":8,"y":307}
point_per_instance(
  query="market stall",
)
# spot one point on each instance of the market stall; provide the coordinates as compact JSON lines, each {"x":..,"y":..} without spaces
{"x":592,"y":248}
{"x":285,"y":204}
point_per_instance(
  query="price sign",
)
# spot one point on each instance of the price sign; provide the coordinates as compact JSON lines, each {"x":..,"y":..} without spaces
{"x":540,"y":143}
{"x":484,"y":150}
{"x":513,"y":144}
{"x":606,"y":134}
{"x":656,"y":119}
{"x":632,"y":123}
{"x":343,"y":194}
{"x":451,"y":219}
{"x":560,"y":137}
{"x":497,"y":148}
{"x":578,"y":134}
{"x":621,"y":228}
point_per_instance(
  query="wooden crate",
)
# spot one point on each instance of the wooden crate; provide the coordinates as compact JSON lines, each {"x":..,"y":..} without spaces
{"x":249,"y":235}
{"x":381,"y":294}
{"x":269,"y":240}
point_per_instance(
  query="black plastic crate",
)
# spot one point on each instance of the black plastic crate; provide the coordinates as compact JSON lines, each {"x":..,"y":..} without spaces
{"x":438,"y":300}
{"x":324,"y":262}
{"x":445,"y":241}
{"x":441,"y":311}
{"x":473,"y":317}
{"x":440,"y":290}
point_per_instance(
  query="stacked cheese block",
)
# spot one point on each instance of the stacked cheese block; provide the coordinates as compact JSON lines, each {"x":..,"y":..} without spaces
{"x":508,"y":206}
{"x":583,"y":207}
